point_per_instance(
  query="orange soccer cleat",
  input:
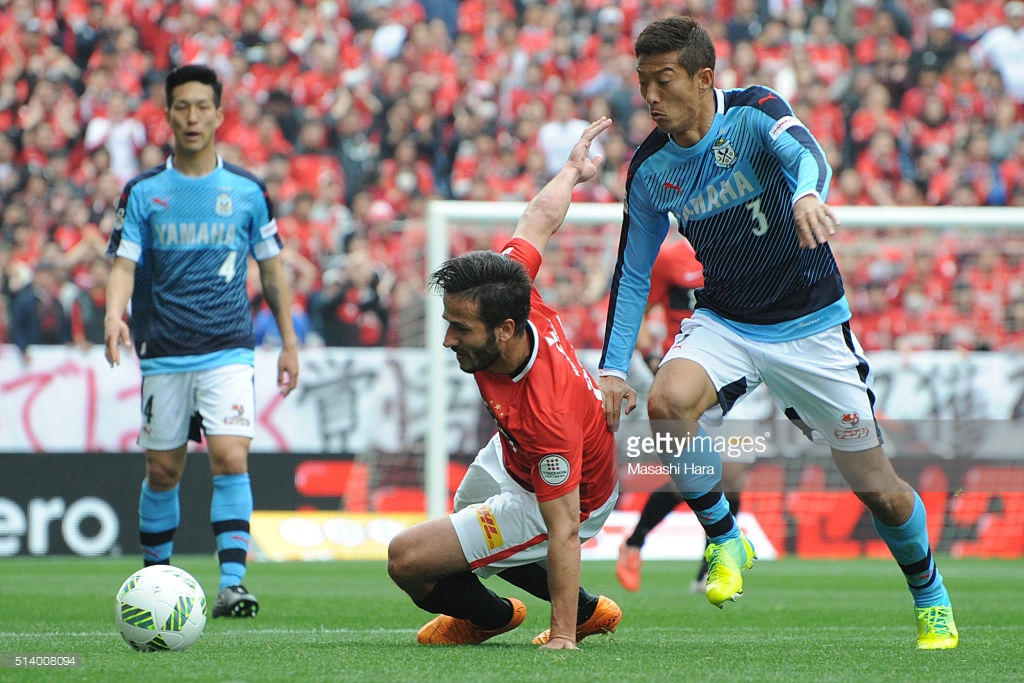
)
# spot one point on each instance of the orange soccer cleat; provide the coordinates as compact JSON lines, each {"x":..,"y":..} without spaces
{"x":445,"y":630}
{"x":605,"y":618}
{"x":627,"y":569}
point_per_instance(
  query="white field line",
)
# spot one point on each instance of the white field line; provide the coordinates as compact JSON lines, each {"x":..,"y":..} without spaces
{"x":215,"y":634}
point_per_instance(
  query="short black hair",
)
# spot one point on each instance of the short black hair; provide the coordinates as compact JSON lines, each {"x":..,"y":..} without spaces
{"x":500,"y":285}
{"x":683,"y":35}
{"x":193,"y":72}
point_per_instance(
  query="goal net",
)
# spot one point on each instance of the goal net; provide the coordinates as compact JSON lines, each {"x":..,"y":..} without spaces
{"x":938,"y":293}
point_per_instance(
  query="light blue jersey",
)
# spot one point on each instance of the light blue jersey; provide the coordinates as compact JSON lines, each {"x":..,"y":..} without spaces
{"x":732,"y":194}
{"x":190,"y":239}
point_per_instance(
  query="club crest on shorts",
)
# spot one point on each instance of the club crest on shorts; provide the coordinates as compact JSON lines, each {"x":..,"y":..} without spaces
{"x":554,"y":469}
{"x":239,"y":417}
{"x":224,"y":206}
{"x":725,"y":155}
{"x":850,"y":419}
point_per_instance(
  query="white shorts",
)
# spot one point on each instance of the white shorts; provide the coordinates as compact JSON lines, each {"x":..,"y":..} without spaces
{"x":498,"y":522}
{"x":176,"y":404}
{"x":822,"y":382}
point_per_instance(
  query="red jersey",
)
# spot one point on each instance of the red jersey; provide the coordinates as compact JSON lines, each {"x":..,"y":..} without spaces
{"x":553,"y":431}
{"x":675,"y":277}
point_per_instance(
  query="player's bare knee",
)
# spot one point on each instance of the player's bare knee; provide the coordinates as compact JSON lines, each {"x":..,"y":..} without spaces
{"x":891,"y":508}
{"x":400,"y":559}
{"x":162,"y":478}
{"x":669,"y":403}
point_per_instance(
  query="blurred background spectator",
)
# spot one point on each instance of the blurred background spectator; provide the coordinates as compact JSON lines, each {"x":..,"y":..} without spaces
{"x":356,"y":114}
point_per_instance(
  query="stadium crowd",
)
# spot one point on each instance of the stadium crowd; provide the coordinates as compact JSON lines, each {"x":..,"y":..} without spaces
{"x":356,"y":113}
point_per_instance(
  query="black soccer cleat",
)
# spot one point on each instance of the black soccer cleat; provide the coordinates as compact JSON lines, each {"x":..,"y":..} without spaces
{"x":235,"y":601}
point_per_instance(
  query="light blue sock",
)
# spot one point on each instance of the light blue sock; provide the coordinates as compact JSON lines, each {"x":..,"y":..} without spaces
{"x":717,"y":520}
{"x":230,"y":511}
{"x":159,"y":516}
{"x":909,"y":546}
{"x":696,"y":469}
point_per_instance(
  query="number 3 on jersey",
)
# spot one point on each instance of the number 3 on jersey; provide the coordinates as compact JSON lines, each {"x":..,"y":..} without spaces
{"x":227,"y":269}
{"x":758,"y":216}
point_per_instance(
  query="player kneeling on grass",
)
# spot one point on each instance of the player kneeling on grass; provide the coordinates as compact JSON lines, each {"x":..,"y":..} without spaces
{"x":548,"y":479}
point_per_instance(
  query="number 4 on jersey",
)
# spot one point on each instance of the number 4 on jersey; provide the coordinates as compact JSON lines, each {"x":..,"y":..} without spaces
{"x":227,"y":269}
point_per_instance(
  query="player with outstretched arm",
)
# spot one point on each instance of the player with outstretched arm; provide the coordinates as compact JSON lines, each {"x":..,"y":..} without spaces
{"x":548,"y":478}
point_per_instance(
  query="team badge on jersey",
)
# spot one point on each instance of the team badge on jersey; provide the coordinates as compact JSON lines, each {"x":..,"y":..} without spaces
{"x":554,"y":469}
{"x":725,"y":155}
{"x":224,"y":206}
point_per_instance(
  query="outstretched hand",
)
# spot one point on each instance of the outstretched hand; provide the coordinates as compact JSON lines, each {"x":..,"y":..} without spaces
{"x":588,"y":166}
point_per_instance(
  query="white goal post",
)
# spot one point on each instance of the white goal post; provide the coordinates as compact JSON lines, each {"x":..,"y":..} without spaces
{"x":442,"y":215}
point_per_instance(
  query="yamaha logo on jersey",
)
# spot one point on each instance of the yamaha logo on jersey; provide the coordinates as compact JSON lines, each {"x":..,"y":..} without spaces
{"x":224,"y":206}
{"x":725,"y":155}
{"x":554,"y":469}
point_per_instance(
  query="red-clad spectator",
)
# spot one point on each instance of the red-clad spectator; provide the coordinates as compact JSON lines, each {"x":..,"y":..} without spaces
{"x":882,"y":28}
{"x":982,"y":172}
{"x":989,"y":277}
{"x":967,"y":101}
{"x":609,"y":24}
{"x":932,"y":132}
{"x":971,"y":18}
{"x":877,"y":322}
{"x":520,"y":95}
{"x":504,"y":177}
{"x":78,"y":237}
{"x":823,"y":116}
{"x":151,"y":113}
{"x":405,"y":175}
{"x":740,"y":69}
{"x":848,"y":190}
{"x":1012,"y":171}
{"x":960,"y":326}
{"x":126,"y":60}
{"x":89,"y":304}
{"x":538,"y":28}
{"x":52,"y":105}
{"x":312,"y":238}
{"x":874,"y":114}
{"x":928,"y":82}
{"x":315,"y":86}
{"x":943,"y":183}
{"x":772,"y":48}
{"x":428,"y":51}
{"x":829,"y":57}
{"x":311,"y":160}
{"x":277,"y":70}
{"x":407,"y":13}
{"x":474,"y":159}
{"x":1012,"y":337}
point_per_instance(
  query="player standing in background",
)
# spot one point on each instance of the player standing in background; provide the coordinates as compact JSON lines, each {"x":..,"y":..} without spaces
{"x":746,"y":181}
{"x":181,"y":246}
{"x":548,"y":479}
{"x":675,"y":278}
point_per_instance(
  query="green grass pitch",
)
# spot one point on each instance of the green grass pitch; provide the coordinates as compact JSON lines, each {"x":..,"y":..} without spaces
{"x":345,"y":621}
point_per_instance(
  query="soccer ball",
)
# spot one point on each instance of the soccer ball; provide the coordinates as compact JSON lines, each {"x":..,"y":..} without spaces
{"x":160,"y":608}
